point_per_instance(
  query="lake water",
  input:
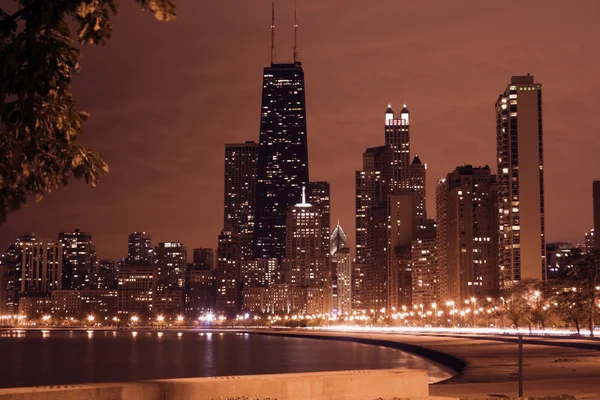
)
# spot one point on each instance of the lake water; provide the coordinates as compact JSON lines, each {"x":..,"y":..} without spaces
{"x":36,"y":358}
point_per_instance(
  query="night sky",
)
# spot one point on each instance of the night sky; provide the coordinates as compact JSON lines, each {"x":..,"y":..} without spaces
{"x":164,"y":98}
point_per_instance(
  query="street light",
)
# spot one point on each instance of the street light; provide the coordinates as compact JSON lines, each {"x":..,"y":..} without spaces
{"x":160,"y":318}
{"x":90,"y":318}
{"x":134,"y":319}
{"x":434,"y":306}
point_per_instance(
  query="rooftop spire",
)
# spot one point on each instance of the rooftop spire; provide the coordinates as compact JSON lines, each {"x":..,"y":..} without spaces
{"x":273,"y":32}
{"x":295,"y":32}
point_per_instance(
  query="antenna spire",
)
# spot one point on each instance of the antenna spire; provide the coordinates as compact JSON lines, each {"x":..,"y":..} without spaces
{"x":295,"y":32}
{"x":272,"y":32}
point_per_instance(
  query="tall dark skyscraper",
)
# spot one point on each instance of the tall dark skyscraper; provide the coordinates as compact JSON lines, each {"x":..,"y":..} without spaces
{"x":319,"y":196}
{"x":140,"y":251}
{"x":240,"y":185}
{"x":79,"y":259}
{"x":596,"y":189}
{"x":282,"y":156}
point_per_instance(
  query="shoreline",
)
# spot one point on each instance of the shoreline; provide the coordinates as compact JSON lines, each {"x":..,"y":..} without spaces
{"x":487,"y":366}
{"x":481,"y":366}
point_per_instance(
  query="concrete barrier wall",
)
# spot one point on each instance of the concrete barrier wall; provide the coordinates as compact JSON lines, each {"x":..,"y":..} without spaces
{"x":343,"y":385}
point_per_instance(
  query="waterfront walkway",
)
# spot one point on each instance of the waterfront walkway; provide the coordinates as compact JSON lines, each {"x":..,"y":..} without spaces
{"x":487,"y":365}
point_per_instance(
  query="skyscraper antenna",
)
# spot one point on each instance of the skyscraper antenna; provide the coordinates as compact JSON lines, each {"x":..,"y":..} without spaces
{"x":295,"y":32}
{"x":273,"y":32}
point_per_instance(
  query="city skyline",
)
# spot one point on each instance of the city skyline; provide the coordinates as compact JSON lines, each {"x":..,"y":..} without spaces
{"x":337,"y":117}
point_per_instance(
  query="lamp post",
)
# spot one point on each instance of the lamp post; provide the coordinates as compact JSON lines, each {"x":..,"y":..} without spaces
{"x":434,"y":306}
{"x":474,"y":301}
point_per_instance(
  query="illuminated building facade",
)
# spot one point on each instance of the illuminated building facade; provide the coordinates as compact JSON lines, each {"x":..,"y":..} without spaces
{"x":241,"y":162}
{"x":558,"y":258}
{"x":338,"y":240}
{"x":425,"y":288}
{"x":140,"y":249}
{"x":441,"y":239}
{"x":65,"y":304}
{"x":344,"y":280}
{"x":240,"y":186}
{"x":418,"y":185}
{"x":468,"y":232}
{"x":228,"y":271}
{"x":359,"y":292}
{"x":401,"y":231}
{"x":283,"y":297}
{"x":79,"y":259}
{"x":137,"y":287}
{"x":282,"y":156}
{"x":596,"y":196}
{"x":41,"y":267}
{"x":305,"y":255}
{"x":3,"y":284}
{"x":397,"y":136}
{"x":171,"y":261}
{"x":105,"y":276}
{"x":521,"y":181}
{"x":320,"y":198}
{"x":590,"y":241}
{"x":100,"y":303}
{"x":372,"y":187}
{"x":201,"y":291}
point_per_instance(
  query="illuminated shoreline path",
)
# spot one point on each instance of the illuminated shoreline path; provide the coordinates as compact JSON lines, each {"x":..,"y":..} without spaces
{"x":283,"y":153}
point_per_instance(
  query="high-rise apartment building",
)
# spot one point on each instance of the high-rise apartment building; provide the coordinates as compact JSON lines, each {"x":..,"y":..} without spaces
{"x":401,"y":231}
{"x":319,"y":197}
{"x":375,"y":289}
{"x":372,"y":188}
{"x":424,"y":271}
{"x":468,"y":232}
{"x":204,"y":257}
{"x":397,"y":136}
{"x":441,"y":239}
{"x":344,"y":280}
{"x":137,"y":289}
{"x":79,"y":259}
{"x":521,"y":181}
{"x":105,"y":276}
{"x":418,"y":185}
{"x":201,"y":291}
{"x":306,"y":258}
{"x":240,"y":186}
{"x":41,"y":267}
{"x":558,"y":258}
{"x":228,"y":271}
{"x":282,"y":156}
{"x":590,"y":241}
{"x":171,"y":261}
{"x":359,"y":290}
{"x":3,"y":285}
{"x":13,"y":259}
{"x":596,"y":196}
{"x":140,"y":249}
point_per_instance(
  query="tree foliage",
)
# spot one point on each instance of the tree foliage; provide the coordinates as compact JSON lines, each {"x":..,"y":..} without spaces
{"x":576,"y":292}
{"x":40,"y":124}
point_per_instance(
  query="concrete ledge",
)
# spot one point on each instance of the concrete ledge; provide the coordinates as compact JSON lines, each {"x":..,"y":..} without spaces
{"x":342,"y":385}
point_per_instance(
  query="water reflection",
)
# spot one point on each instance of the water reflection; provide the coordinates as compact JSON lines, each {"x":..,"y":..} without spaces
{"x":60,"y":357}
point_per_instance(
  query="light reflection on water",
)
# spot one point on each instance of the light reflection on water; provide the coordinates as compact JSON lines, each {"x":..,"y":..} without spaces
{"x":70,"y":357}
